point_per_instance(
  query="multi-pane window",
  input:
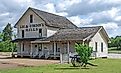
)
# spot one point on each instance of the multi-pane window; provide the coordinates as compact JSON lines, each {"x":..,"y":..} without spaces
{"x":31,"y":18}
{"x":96,"y":46}
{"x":101,"y":47}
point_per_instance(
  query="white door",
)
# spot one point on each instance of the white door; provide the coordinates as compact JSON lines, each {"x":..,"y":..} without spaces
{"x":65,"y":53}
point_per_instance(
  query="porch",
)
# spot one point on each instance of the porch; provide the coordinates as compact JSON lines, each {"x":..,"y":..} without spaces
{"x":48,"y":49}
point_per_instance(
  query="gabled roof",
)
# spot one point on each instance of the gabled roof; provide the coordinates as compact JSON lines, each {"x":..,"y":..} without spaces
{"x":52,"y":20}
{"x":83,"y":33}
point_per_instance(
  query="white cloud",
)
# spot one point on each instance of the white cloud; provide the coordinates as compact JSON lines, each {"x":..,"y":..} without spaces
{"x":118,"y":18}
{"x":110,"y":26}
{"x":50,"y":8}
{"x":4,"y":14}
{"x":64,"y":4}
{"x":78,"y":21}
{"x":81,"y":12}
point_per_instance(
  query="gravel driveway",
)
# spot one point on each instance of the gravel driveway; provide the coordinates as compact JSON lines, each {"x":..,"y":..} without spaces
{"x":111,"y":55}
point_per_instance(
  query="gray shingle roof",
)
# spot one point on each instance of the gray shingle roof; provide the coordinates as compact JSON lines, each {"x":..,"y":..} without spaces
{"x":54,"y":20}
{"x":74,"y":34}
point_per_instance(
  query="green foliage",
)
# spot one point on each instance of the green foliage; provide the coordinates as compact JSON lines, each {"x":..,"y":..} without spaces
{"x":7,"y":32}
{"x":6,"y":37}
{"x":84,"y":51}
{"x":115,"y":42}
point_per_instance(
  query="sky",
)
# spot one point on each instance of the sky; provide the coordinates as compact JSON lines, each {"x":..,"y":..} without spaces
{"x":106,"y":13}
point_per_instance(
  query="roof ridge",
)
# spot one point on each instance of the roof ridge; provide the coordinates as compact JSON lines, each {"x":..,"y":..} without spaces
{"x":46,"y":12}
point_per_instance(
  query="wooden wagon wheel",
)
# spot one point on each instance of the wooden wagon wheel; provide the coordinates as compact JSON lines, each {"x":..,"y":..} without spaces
{"x":75,"y":62}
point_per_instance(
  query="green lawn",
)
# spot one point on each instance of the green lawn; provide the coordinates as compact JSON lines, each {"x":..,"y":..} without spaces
{"x":104,"y":66}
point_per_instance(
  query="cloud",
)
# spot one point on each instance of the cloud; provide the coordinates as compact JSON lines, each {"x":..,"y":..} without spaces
{"x":110,"y":26}
{"x":89,"y":6}
{"x":81,"y":12}
{"x":78,"y":21}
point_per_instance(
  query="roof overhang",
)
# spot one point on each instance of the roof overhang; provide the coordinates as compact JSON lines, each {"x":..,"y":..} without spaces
{"x":40,"y":41}
{"x":25,"y":39}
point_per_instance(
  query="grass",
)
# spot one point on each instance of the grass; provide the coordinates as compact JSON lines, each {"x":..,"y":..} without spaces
{"x":104,"y":66}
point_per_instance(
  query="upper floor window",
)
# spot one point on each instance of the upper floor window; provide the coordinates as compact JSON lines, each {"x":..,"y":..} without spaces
{"x":31,"y":18}
{"x":22,"y":33}
{"x":101,"y":47}
{"x":40,"y":32}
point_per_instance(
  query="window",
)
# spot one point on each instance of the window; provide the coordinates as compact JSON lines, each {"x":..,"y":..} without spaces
{"x":56,"y":48}
{"x":22,"y":33}
{"x":23,"y":47}
{"x":96,"y":46}
{"x":53,"y":47}
{"x":35,"y":46}
{"x":40,"y":32}
{"x":40,"y":47}
{"x":101,"y":47}
{"x":31,"y":18}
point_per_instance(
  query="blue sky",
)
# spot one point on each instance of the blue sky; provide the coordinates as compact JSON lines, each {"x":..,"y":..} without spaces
{"x":105,"y":13}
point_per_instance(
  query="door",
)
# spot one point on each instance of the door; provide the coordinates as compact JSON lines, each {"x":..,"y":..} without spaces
{"x":65,"y":53}
{"x":22,"y":33}
{"x":40,"y":52}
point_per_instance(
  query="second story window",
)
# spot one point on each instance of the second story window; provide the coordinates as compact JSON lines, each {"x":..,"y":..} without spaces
{"x":22,"y":33}
{"x":31,"y":18}
{"x":40,"y":32}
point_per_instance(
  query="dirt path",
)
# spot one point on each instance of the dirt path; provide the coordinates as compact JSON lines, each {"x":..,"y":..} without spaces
{"x":22,"y":62}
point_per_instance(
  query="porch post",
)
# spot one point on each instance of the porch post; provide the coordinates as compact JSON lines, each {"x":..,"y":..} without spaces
{"x":54,"y":50}
{"x":61,"y":58}
{"x":21,"y":48}
{"x":31,"y":51}
{"x":83,"y":42}
{"x":68,"y":50}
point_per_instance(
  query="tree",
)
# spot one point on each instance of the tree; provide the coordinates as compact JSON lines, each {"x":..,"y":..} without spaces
{"x":5,"y":44}
{"x":115,"y":42}
{"x":84,"y":51}
{"x":7,"y":32}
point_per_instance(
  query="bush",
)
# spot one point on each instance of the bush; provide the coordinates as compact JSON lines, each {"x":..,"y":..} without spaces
{"x":84,"y":51}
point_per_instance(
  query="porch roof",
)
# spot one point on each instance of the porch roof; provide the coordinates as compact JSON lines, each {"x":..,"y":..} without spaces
{"x":83,"y":33}
{"x":25,"y":39}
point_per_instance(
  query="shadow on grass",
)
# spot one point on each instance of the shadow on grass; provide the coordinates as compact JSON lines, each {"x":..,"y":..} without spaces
{"x":71,"y":68}
{"x":66,"y":68}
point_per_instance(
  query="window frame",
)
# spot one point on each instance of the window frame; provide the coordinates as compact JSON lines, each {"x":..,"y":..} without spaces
{"x":23,"y":47}
{"x":40,"y":32}
{"x":96,"y":46}
{"x":31,"y":18}
{"x":102,"y":47}
{"x":22,"y":33}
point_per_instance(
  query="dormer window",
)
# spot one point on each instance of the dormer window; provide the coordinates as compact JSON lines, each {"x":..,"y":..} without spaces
{"x":31,"y":18}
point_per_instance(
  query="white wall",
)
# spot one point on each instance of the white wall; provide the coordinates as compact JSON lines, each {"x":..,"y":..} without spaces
{"x":51,"y":31}
{"x":99,"y":38}
{"x":25,"y":21}
{"x":46,"y":31}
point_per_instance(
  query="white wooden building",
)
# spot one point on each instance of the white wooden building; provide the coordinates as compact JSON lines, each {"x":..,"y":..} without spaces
{"x":42,"y":34}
